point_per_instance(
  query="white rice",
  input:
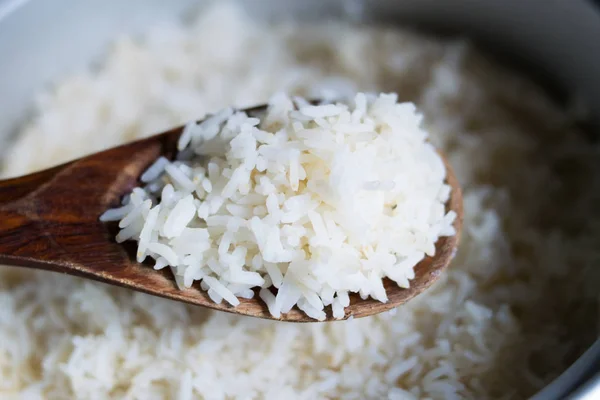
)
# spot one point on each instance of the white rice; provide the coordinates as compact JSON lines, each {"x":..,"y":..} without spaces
{"x":378,"y":202}
{"x":527,"y":265}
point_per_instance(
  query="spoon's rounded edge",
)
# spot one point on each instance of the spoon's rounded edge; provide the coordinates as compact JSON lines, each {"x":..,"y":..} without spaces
{"x":427,"y":272}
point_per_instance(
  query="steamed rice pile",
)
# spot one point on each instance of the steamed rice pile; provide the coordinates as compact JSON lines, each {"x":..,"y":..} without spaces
{"x":519,"y":303}
{"x":317,"y":202}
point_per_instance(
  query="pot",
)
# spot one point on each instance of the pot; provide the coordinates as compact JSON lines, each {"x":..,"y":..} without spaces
{"x":41,"y":41}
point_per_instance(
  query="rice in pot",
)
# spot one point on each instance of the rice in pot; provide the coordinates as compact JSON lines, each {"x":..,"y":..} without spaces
{"x":512,"y":312}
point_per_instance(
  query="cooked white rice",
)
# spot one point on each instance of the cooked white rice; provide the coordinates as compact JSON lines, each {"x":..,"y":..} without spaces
{"x":314,"y":200}
{"x":519,"y":303}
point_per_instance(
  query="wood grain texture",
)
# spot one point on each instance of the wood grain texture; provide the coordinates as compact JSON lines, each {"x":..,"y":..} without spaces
{"x":50,"y":220}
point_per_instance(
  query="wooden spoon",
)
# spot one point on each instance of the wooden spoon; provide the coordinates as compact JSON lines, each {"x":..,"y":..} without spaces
{"x":49,"y":220}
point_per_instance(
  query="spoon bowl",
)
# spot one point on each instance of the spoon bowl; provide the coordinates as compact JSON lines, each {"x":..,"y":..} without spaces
{"x":50,"y":220}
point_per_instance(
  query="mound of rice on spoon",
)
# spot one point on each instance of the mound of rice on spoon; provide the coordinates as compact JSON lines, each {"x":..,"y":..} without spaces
{"x":315,"y":201}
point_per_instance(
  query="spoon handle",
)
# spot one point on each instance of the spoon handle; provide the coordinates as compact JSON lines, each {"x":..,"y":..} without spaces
{"x":24,"y":239}
{"x":50,"y":219}
{"x":15,"y":189}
